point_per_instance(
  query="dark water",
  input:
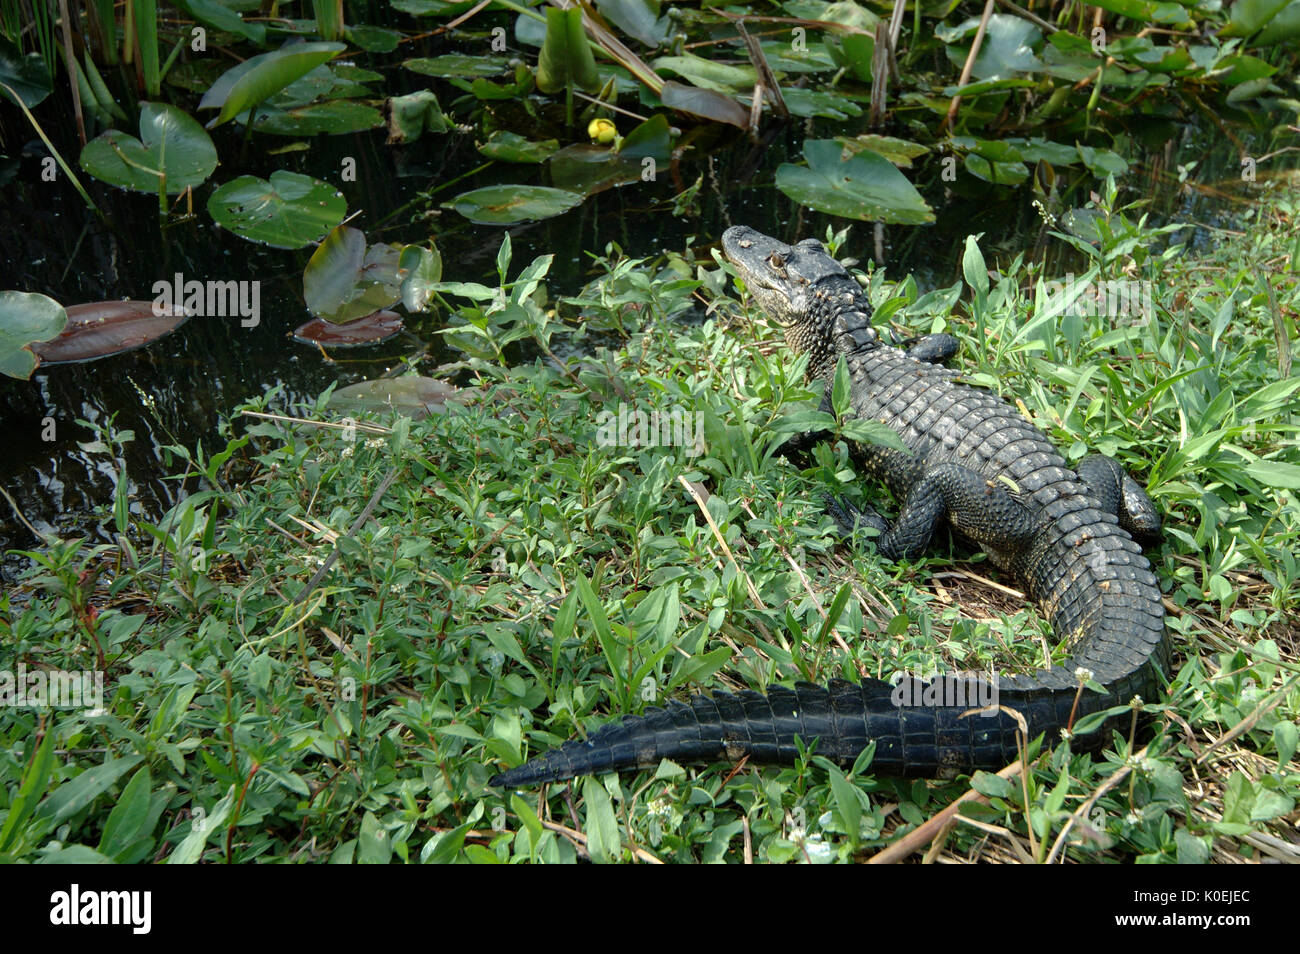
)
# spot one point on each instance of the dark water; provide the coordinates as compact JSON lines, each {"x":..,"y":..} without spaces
{"x":51,"y":244}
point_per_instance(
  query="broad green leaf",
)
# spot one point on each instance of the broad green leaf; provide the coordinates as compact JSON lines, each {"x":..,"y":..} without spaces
{"x":290,"y":211}
{"x":171,"y":145}
{"x":35,"y":780}
{"x":602,"y":827}
{"x":707,"y":74}
{"x":202,"y":827}
{"x":220,"y":17}
{"x":26,"y":75}
{"x":76,"y":793}
{"x":373,"y":846}
{"x":637,"y":18}
{"x":125,"y":824}
{"x":412,"y":115}
{"x":566,"y":53}
{"x":846,"y":803}
{"x":865,"y":186}
{"x":423,"y":269}
{"x":261,"y":77}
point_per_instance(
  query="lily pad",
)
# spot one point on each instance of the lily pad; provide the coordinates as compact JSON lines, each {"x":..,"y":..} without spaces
{"x":171,"y":144}
{"x":412,"y":395}
{"x":508,"y":204}
{"x":512,"y":147}
{"x":345,"y":280}
{"x":900,"y":152}
{"x":103,"y":328}
{"x":373,"y":39}
{"x":455,"y":64}
{"x":290,"y":211}
{"x":367,"y":330}
{"x":26,"y":319}
{"x":865,"y":186}
{"x":588,"y":169}
{"x":809,"y":102}
{"x":332,"y":118}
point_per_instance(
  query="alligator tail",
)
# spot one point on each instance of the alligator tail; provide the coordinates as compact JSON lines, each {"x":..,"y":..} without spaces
{"x":1107,"y":606}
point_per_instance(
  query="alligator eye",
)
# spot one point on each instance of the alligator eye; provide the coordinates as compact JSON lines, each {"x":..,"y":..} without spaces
{"x":777,"y":262}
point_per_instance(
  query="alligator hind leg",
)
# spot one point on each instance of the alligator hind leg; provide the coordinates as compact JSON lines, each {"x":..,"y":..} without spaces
{"x":987,"y":511}
{"x":932,"y":349}
{"x":1121,"y":495}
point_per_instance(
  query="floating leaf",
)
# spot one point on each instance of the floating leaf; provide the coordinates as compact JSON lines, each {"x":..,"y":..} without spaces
{"x":588,"y":169}
{"x":507,"y":204}
{"x":345,"y":280}
{"x":900,"y":152}
{"x":512,"y":147}
{"x":102,"y":328}
{"x":260,"y":77}
{"x":412,"y":395}
{"x":373,"y":39}
{"x":171,"y":143}
{"x":333,"y":118}
{"x":455,"y":64}
{"x":290,"y":211}
{"x":26,"y":318}
{"x":809,"y":102}
{"x":368,"y":329}
{"x":865,"y":186}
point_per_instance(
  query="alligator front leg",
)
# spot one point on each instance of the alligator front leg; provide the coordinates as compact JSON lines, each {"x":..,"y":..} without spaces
{"x":1121,"y":495}
{"x":987,"y":511}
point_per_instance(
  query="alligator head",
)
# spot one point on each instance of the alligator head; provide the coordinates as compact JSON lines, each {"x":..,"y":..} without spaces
{"x":806,"y":291}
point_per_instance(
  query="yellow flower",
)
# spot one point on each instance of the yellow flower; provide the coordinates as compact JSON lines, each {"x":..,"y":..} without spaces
{"x":602,"y":131}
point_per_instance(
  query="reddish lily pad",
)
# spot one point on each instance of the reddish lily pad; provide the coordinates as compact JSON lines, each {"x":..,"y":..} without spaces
{"x":368,"y":329}
{"x":102,"y":328}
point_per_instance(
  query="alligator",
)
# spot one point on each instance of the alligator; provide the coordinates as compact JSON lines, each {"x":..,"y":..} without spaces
{"x":1067,"y":536}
